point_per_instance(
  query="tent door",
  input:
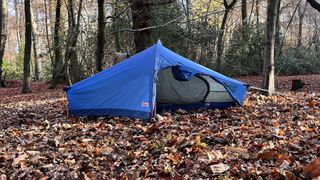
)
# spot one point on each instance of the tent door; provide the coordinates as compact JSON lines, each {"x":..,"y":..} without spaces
{"x":200,"y":88}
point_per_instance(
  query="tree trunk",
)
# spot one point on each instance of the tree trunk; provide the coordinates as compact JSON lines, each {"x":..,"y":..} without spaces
{"x":115,"y":10}
{"x":301,"y":12}
{"x":101,"y":37}
{"x":47,"y":20}
{"x":315,"y":38}
{"x":268,"y":67}
{"x":244,"y":12}
{"x":17,"y":22}
{"x":277,"y":48}
{"x":27,"y":50}
{"x":220,"y":43}
{"x":71,"y":52}
{"x":3,"y":34}
{"x":141,"y":16}
{"x":257,"y":15}
{"x":37,"y":63}
{"x":58,"y":64}
{"x":187,"y":14}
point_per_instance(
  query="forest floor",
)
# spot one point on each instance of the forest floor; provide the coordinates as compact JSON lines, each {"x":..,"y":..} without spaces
{"x":275,"y":137}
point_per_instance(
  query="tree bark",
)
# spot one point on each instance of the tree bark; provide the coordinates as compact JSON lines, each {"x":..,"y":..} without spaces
{"x":244,"y":12}
{"x":58,"y":64}
{"x":301,"y":12}
{"x":268,"y":67}
{"x":257,"y":15}
{"x":15,"y":4}
{"x":220,"y":44}
{"x":315,"y":38}
{"x":37,"y":63}
{"x":277,"y":47}
{"x":27,"y":50}
{"x":47,"y":20}
{"x":71,"y":52}
{"x":141,"y":16}
{"x":101,"y":37}
{"x":3,"y":35}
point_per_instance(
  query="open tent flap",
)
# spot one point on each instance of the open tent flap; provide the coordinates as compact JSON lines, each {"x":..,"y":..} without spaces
{"x":178,"y":86}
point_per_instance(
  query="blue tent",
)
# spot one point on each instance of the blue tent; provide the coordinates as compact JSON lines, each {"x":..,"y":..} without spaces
{"x":156,"y":78}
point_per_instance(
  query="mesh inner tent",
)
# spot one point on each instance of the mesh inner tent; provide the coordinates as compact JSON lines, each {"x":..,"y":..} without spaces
{"x":170,"y":90}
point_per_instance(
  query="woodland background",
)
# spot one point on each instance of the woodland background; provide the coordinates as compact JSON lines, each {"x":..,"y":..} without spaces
{"x":69,"y":40}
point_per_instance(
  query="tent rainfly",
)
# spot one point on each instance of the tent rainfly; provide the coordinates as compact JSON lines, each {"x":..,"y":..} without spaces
{"x":154,"y":79}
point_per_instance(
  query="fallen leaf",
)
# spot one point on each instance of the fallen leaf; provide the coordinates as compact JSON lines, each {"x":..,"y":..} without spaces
{"x":243,"y":152}
{"x":3,"y":177}
{"x":219,"y":168}
{"x":199,"y":143}
{"x":152,"y":129}
{"x":174,"y":157}
{"x":313,"y":103}
{"x":19,"y":159}
{"x":90,"y":176}
{"x":87,"y":140}
{"x":312,"y":170}
{"x":215,"y":155}
{"x":44,"y":178}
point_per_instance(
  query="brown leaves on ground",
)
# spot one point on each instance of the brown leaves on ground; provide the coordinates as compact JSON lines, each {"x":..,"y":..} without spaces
{"x":273,"y":137}
{"x":312,"y":170}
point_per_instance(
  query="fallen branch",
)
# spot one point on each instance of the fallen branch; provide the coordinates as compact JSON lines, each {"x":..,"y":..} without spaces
{"x":265,"y":90}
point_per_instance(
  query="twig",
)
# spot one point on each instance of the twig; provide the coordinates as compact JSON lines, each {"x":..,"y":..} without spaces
{"x":146,"y":28}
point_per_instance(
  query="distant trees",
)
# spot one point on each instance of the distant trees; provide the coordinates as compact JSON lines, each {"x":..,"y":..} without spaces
{"x":3,"y":35}
{"x":225,"y":35}
{"x":220,"y":44}
{"x":27,"y":50}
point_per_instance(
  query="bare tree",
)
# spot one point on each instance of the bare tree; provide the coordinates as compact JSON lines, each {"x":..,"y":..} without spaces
{"x":27,"y":50}
{"x":101,"y":37}
{"x":220,"y":46}
{"x":3,"y":34}
{"x":269,"y":51}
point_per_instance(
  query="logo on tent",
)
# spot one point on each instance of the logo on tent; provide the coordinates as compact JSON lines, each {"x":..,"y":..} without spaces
{"x":145,"y":104}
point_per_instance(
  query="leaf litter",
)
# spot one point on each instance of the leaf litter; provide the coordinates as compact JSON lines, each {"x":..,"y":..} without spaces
{"x":273,"y":137}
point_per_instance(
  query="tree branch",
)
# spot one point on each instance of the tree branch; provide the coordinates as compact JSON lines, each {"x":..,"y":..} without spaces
{"x":315,"y":4}
{"x":147,"y":28}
